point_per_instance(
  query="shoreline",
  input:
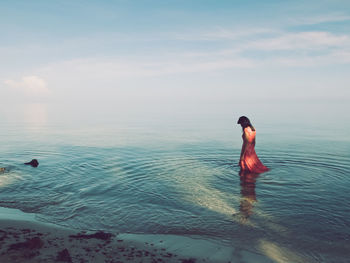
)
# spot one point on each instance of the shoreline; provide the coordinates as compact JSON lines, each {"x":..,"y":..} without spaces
{"x":25,"y":239}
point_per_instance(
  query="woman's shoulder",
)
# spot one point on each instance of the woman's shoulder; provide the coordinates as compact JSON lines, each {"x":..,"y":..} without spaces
{"x":249,"y":131}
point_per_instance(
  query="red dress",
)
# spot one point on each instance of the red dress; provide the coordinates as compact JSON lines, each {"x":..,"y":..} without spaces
{"x":249,"y":160}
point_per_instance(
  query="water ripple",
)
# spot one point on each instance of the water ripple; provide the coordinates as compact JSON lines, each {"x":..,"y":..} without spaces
{"x":189,"y":189}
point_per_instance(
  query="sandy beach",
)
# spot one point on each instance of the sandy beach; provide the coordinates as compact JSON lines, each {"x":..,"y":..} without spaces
{"x":24,"y":239}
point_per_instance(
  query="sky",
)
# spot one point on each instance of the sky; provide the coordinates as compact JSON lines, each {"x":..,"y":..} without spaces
{"x":254,"y":57}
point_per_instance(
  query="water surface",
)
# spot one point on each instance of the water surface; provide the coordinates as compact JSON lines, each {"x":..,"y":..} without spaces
{"x":181,"y":177}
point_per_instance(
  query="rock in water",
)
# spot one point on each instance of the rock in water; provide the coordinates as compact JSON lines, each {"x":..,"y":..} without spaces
{"x":2,"y":170}
{"x":33,"y":163}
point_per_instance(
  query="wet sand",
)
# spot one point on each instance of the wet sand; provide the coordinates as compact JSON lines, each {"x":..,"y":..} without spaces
{"x":23,"y":239}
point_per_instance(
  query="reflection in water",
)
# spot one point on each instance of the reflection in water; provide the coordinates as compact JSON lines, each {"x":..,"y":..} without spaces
{"x":248,"y":195}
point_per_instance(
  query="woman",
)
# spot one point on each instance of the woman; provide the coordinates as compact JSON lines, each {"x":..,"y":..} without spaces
{"x":249,"y":161}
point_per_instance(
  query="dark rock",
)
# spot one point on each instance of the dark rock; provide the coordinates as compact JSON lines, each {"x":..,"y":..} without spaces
{"x":26,"y":230}
{"x":190,"y":260}
{"x":33,"y":243}
{"x":33,"y":163}
{"x":97,"y":235}
{"x":64,"y":256}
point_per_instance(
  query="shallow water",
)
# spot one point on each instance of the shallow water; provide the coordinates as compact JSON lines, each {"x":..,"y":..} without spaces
{"x":184,"y":179}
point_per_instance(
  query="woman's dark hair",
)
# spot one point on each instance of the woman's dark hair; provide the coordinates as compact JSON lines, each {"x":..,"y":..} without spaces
{"x":245,"y":122}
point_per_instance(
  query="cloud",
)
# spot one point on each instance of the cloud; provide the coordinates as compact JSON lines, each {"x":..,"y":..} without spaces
{"x":306,"y":49}
{"x":30,"y":85}
{"x":320,"y":19}
{"x":303,"y":40}
{"x":222,"y":34}
{"x":278,"y":48}
{"x":113,"y":69}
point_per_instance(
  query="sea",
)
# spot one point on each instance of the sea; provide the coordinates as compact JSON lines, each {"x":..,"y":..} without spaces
{"x":174,"y":170}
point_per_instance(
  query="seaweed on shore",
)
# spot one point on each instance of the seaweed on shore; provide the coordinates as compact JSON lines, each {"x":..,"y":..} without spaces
{"x":98,"y":235}
{"x":64,"y":256}
{"x":33,"y":243}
